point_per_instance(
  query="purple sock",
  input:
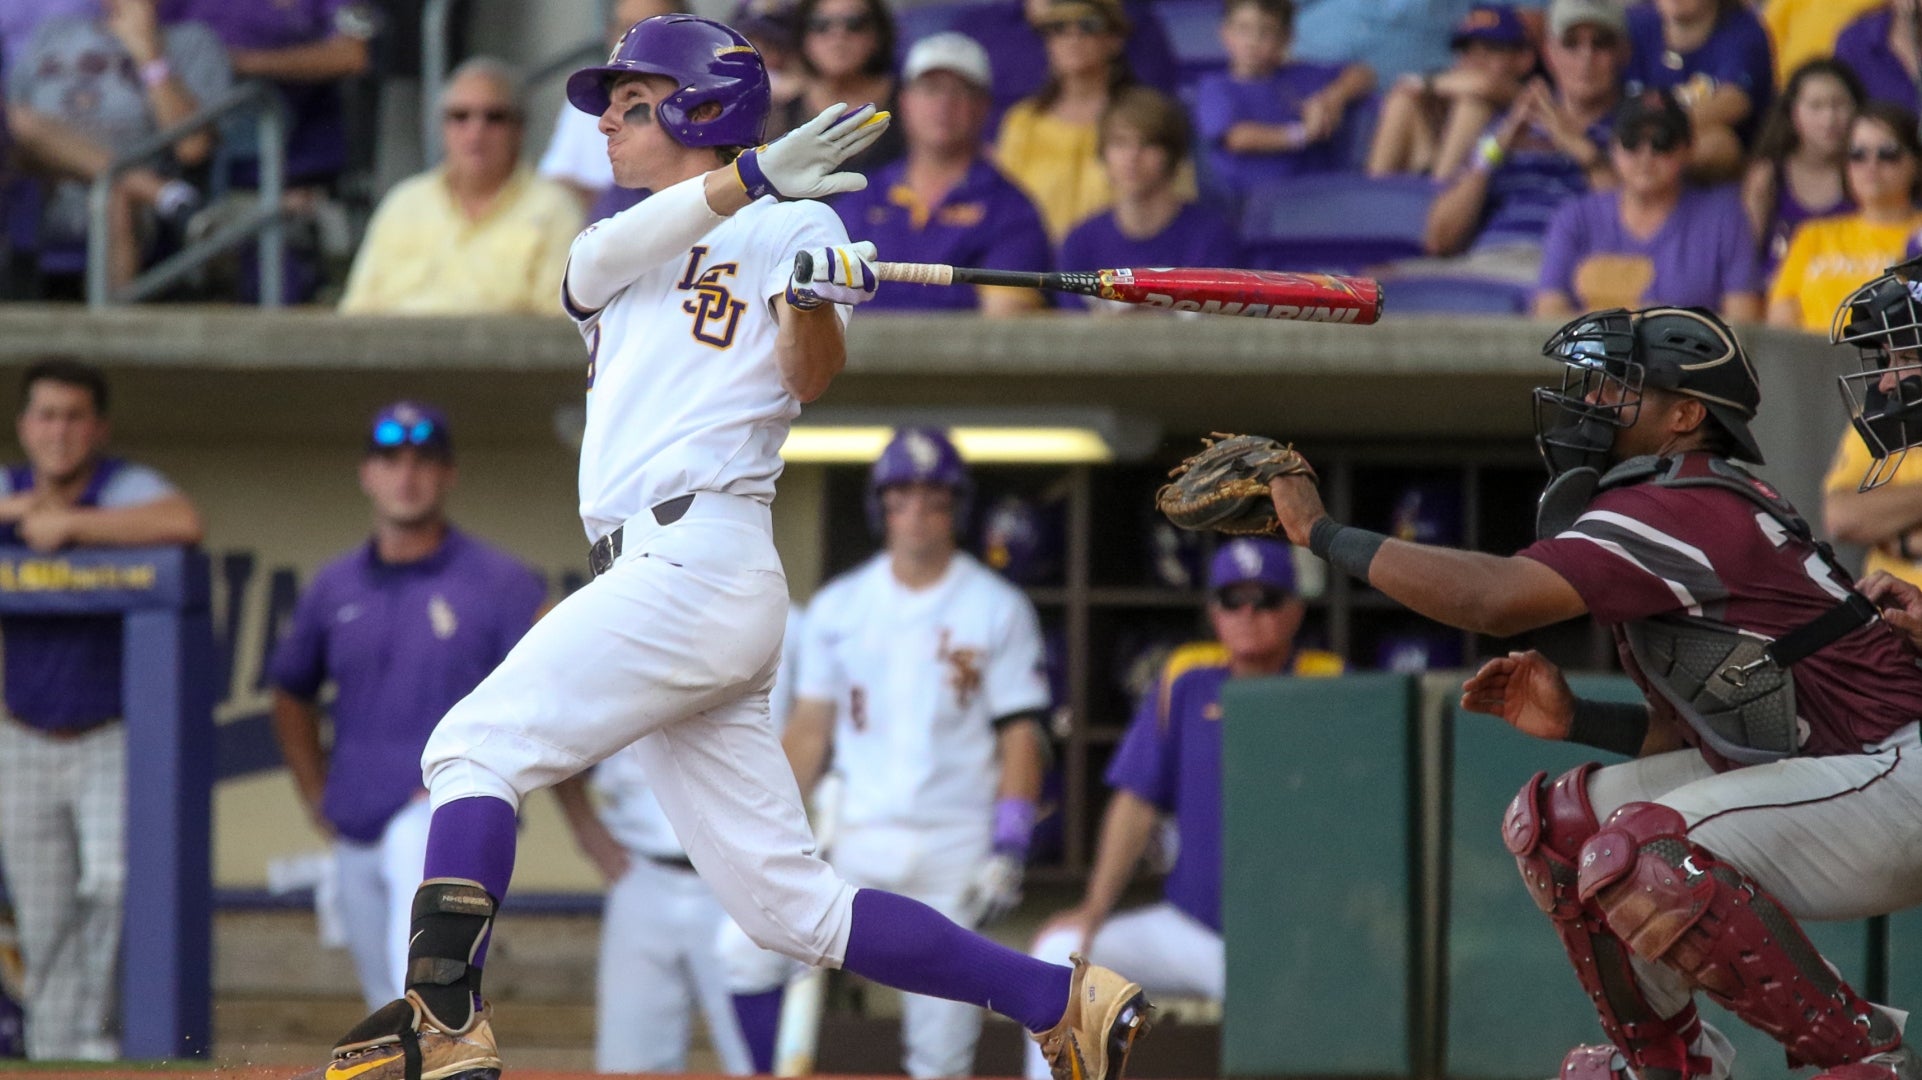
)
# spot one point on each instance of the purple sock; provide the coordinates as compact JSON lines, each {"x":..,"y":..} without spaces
{"x":474,"y":838}
{"x":910,"y":946}
{"x":760,"y":1017}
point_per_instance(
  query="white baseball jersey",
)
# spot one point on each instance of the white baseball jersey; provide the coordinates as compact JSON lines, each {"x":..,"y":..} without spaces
{"x":683,"y":392}
{"x":918,"y":678}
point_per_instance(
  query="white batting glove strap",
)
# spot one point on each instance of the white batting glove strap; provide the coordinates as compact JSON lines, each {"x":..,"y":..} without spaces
{"x":995,"y":890}
{"x":842,"y":275}
{"x":802,"y":163}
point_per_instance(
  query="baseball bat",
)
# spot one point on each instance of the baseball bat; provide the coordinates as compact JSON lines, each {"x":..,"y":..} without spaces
{"x":1252,"y":294}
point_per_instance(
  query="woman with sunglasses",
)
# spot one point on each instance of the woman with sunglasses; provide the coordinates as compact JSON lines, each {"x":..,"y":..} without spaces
{"x":1655,"y":239}
{"x":1801,"y":158}
{"x":846,"y":54}
{"x":1048,"y":141}
{"x":1829,"y":257}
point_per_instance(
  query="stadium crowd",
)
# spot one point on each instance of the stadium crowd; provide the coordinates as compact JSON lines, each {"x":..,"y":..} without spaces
{"x":1484,"y":158}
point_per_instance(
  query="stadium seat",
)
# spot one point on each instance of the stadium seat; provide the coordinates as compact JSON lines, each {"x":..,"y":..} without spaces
{"x":1337,"y":222}
{"x":1418,"y":294}
{"x":1193,"y":29}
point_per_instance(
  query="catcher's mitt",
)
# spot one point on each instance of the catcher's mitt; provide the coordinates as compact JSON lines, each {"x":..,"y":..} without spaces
{"x":1225,"y":486}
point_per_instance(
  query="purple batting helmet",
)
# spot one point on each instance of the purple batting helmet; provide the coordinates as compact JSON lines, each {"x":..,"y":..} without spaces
{"x":919,"y":456}
{"x":711,"y":64}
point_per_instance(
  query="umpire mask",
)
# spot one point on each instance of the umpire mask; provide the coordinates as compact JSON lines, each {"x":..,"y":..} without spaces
{"x":1883,"y":320}
{"x":1600,"y":392}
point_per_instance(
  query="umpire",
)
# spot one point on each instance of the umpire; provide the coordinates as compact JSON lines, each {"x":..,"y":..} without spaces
{"x":403,"y":626}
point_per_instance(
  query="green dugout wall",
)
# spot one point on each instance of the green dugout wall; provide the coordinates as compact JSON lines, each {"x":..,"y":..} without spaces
{"x":1375,"y":923}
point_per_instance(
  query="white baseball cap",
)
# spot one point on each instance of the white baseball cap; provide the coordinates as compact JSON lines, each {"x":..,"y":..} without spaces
{"x":1565,"y":15}
{"x":949,"y":51}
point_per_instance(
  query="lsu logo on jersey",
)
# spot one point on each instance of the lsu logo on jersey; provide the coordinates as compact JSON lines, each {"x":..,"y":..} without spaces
{"x":717,"y":314}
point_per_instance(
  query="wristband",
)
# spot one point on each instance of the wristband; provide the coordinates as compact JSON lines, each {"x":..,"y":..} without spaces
{"x":1344,"y":546}
{"x":747,"y":169}
{"x":1013,"y":825}
{"x":1489,"y":152}
{"x":155,"y":71}
{"x":1605,"y":725}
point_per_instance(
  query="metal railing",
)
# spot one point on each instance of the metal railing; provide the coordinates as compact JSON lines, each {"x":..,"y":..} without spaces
{"x":270,"y":125}
{"x":436,"y":20}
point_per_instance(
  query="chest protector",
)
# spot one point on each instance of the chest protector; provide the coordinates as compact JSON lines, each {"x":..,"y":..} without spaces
{"x":1733,"y":687}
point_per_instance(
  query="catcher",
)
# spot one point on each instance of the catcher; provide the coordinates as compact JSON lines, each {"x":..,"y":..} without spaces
{"x":1776,"y":769}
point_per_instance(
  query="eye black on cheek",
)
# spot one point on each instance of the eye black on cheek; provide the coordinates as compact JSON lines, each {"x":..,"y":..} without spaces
{"x":638,"y":113}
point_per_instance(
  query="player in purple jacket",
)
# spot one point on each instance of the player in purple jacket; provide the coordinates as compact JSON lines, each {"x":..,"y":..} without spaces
{"x":402,"y":626}
{"x":1776,"y":768}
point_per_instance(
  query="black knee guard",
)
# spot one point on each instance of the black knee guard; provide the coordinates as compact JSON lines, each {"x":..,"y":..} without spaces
{"x":452,"y":917}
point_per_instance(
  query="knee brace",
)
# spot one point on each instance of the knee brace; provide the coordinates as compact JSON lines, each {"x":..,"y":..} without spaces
{"x":1546,"y":828}
{"x":1675,"y":903}
{"x":452,"y":917}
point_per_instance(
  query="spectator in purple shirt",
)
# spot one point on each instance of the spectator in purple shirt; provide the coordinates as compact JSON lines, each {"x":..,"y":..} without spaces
{"x":63,"y":751}
{"x":19,"y":17}
{"x":1550,"y":147}
{"x":1715,"y":57}
{"x":1429,"y":123}
{"x":1655,"y":240}
{"x":1144,"y":143}
{"x":1882,"y":48}
{"x":1802,"y":155}
{"x":403,"y":626}
{"x":1269,"y":117}
{"x":945,"y":202}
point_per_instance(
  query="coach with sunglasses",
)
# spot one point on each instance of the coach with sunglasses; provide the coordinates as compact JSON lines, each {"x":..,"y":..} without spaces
{"x":1169,"y":762}
{"x":480,"y":233}
{"x":402,"y":626}
{"x":1654,"y":240}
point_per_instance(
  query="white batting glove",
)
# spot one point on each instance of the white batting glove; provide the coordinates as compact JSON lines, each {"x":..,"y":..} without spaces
{"x":840,"y":275}
{"x":802,"y":163}
{"x":995,"y":890}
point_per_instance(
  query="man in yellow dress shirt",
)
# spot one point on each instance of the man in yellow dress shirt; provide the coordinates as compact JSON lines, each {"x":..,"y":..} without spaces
{"x":481,"y":233}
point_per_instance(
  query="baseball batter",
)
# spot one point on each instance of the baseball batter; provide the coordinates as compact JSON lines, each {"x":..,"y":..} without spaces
{"x":702,"y":346}
{"x":1777,"y":770}
{"x":921,"y":679}
{"x":402,"y":626}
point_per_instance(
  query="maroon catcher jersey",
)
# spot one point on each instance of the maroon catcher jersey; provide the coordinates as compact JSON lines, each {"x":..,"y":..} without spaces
{"x":1647,"y":550}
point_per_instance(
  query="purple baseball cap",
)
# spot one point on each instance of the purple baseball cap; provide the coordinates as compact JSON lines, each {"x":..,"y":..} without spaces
{"x":1243,"y":560}
{"x":410,"y":423}
{"x":1492,"y":24}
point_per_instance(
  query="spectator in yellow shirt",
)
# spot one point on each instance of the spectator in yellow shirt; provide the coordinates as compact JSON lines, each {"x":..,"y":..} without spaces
{"x":1047,"y":141}
{"x":481,"y":233}
{"x":1828,"y":257}
{"x":1887,"y":521}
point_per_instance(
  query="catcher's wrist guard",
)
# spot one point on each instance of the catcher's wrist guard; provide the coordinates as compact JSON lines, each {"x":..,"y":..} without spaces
{"x":1344,"y":546}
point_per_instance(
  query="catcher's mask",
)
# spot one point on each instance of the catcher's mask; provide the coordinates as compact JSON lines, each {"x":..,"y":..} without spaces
{"x":1883,"y":320}
{"x":1612,"y":357}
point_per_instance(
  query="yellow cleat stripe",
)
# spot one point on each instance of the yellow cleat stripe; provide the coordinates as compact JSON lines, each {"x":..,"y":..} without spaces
{"x":336,"y":1072}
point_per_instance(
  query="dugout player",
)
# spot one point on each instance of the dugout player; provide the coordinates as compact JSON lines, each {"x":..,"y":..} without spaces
{"x":1777,"y":770}
{"x":1170,"y":763}
{"x":921,"y":683}
{"x":703,"y":341}
{"x":402,"y":626}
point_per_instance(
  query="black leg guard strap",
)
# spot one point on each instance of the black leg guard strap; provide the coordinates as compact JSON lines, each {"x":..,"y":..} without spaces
{"x":451,"y":920}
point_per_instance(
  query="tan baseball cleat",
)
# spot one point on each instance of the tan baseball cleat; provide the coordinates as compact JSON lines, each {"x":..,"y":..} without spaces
{"x":403,"y":1041}
{"x":1106,"y":1014}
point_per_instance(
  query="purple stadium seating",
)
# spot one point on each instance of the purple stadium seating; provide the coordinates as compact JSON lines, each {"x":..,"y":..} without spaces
{"x":1338,"y":222}
{"x":1442,"y":294}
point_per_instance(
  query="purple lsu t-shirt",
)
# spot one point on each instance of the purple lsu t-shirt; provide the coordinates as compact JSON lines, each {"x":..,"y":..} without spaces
{"x":985,"y":221}
{"x":1171,"y":758}
{"x":1222,"y":101}
{"x":317,"y":141}
{"x":1864,"y":46}
{"x":1198,"y":236}
{"x":401,"y":643}
{"x":1647,"y":550}
{"x":1704,"y":251}
{"x":1737,"y":53}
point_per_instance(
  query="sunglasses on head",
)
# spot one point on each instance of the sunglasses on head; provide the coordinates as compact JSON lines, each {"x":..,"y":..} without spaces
{"x":392,"y":434}
{"x":1660,"y":140}
{"x":1088,"y":25}
{"x":1260,"y":599}
{"x":1887,"y":153}
{"x":493,"y":117}
{"x":853,"y":24}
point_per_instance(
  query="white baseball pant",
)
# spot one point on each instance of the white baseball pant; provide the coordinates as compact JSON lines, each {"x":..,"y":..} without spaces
{"x":658,"y":960}
{"x":676,"y":646}
{"x":63,"y":811}
{"x":377,"y":885}
{"x":1831,"y":838}
{"x":1160,"y":946}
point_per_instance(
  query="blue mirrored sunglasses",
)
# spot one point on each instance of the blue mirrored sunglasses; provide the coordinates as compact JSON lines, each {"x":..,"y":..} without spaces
{"x":391,"y":433}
